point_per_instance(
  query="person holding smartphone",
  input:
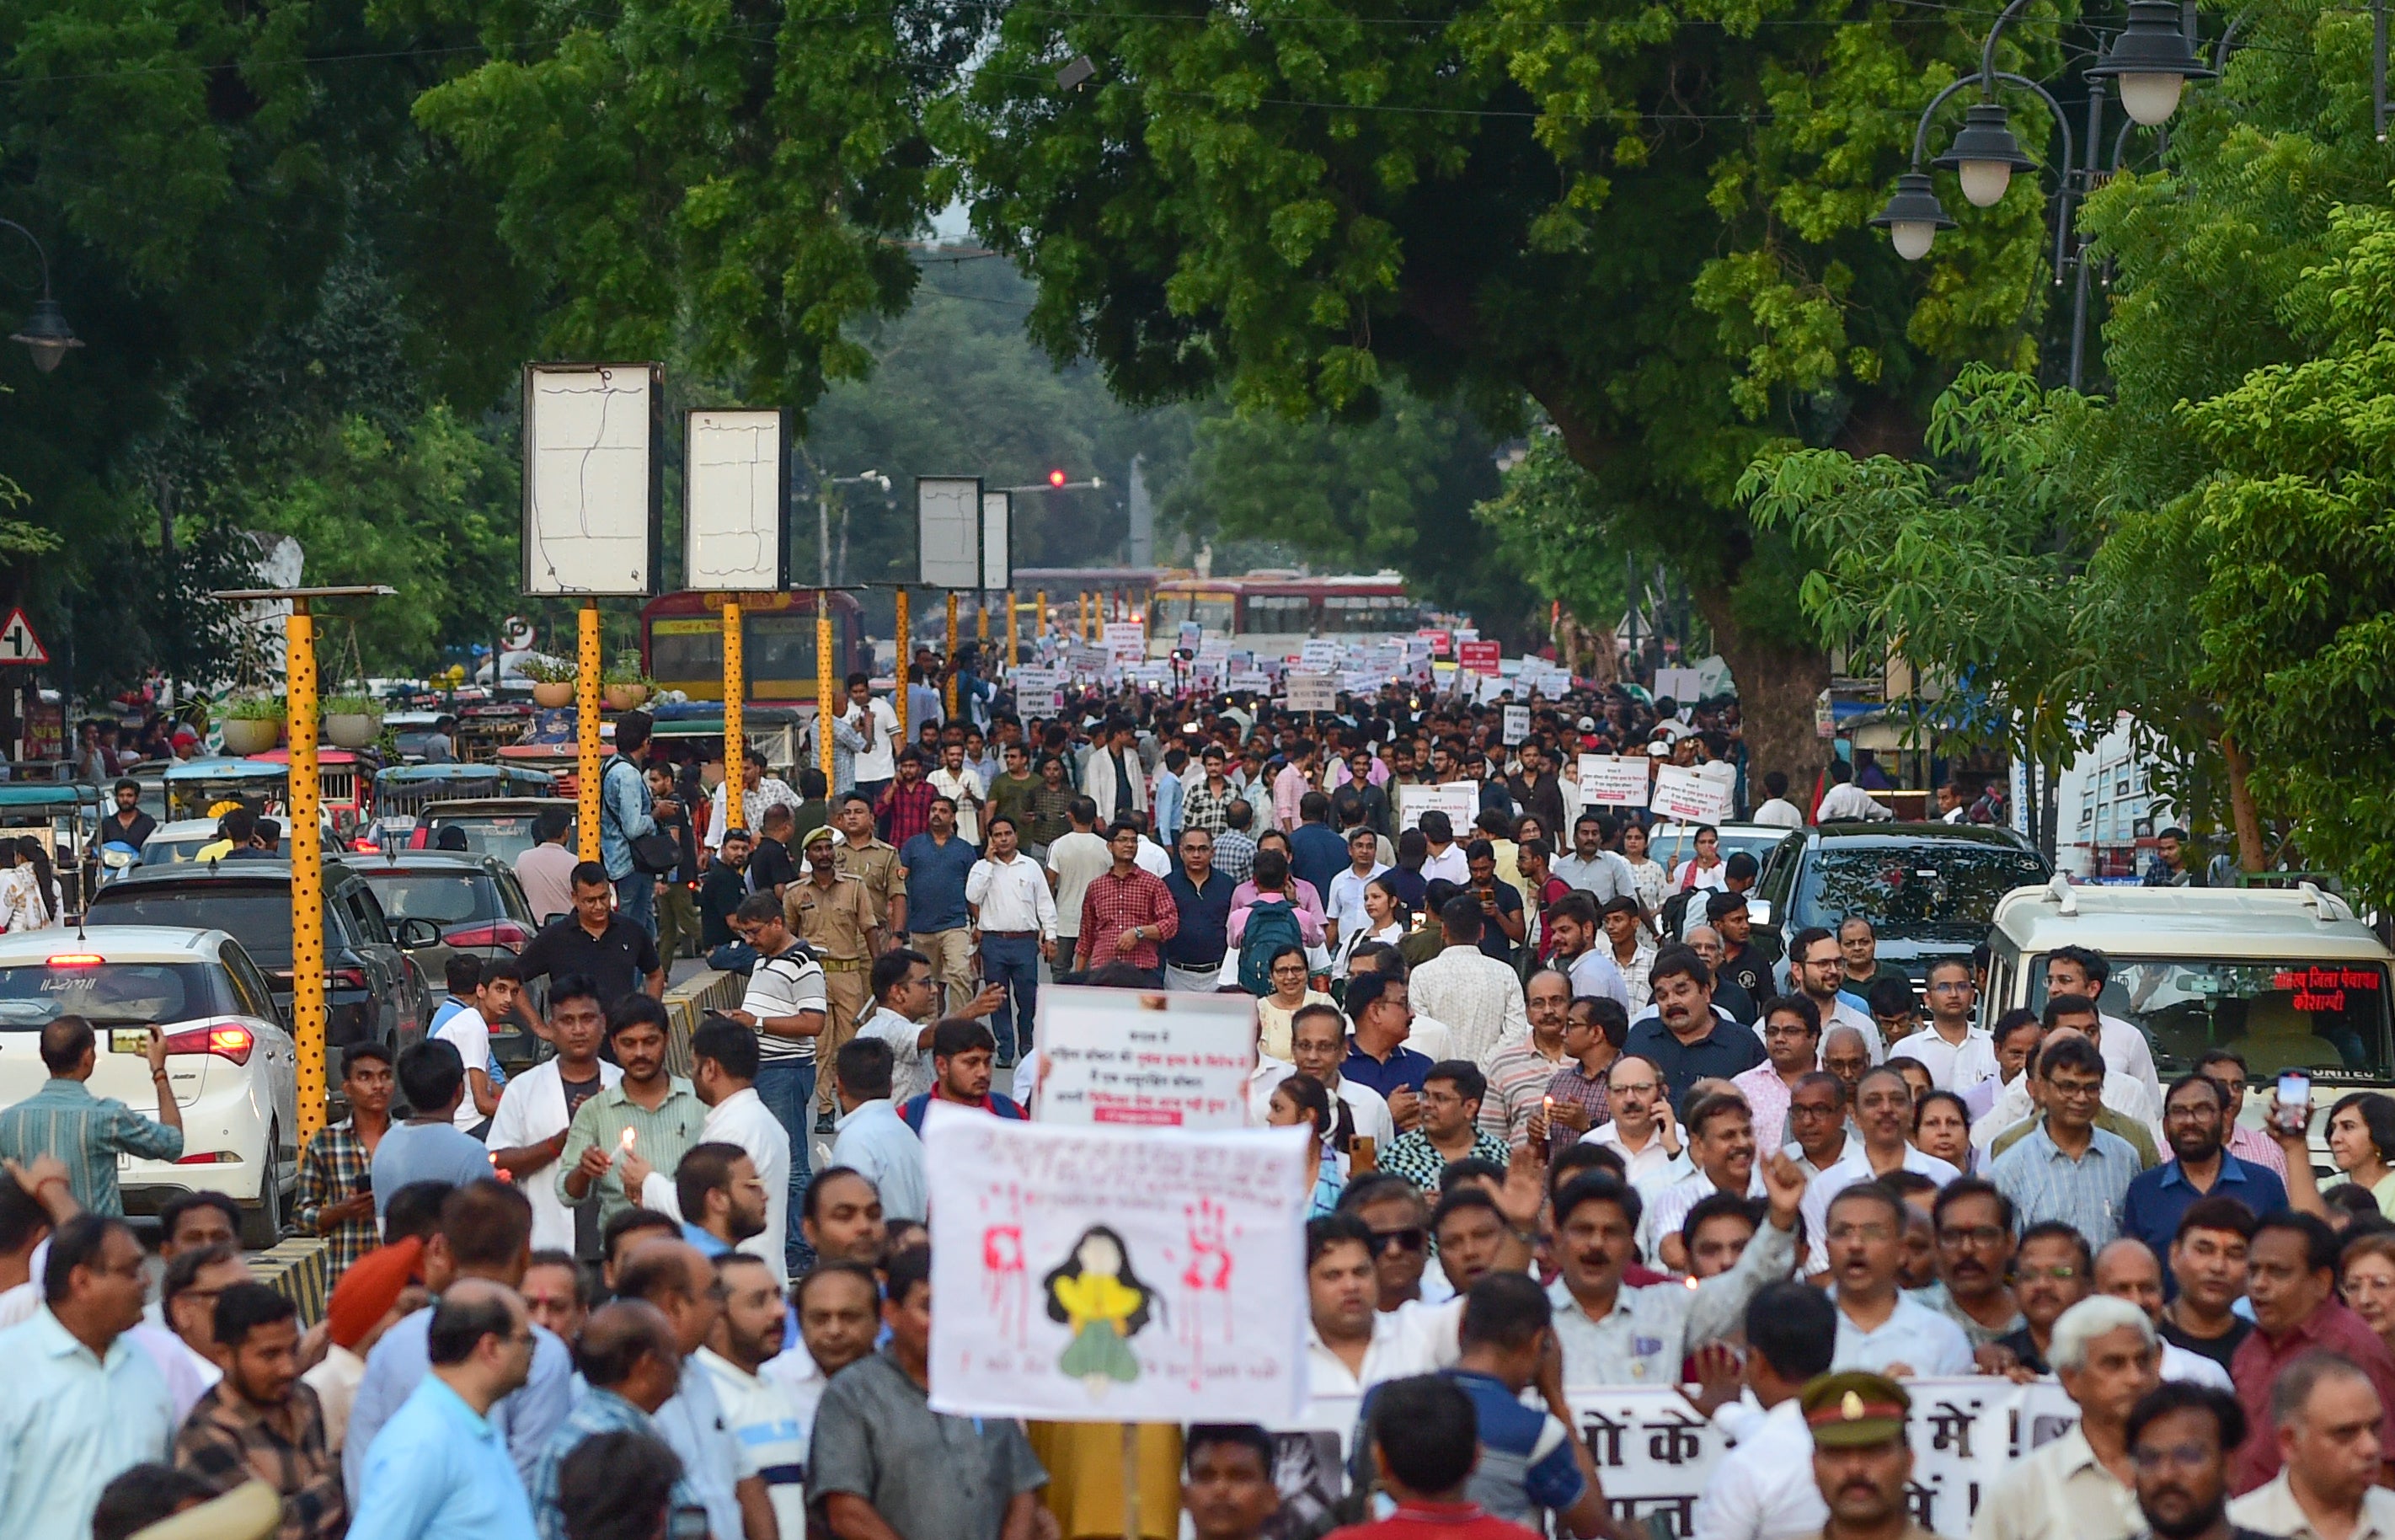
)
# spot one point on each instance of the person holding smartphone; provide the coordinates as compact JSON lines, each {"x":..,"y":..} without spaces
{"x":86,"y":1133}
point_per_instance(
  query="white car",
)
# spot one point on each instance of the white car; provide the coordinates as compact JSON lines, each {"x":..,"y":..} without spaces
{"x":230,"y":1061}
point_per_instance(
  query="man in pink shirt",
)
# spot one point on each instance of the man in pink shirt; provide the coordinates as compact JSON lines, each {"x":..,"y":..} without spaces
{"x":1296,"y":778}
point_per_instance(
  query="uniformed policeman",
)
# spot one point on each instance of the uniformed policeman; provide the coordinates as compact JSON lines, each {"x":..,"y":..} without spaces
{"x":1861,"y":1457}
{"x":833,"y":914}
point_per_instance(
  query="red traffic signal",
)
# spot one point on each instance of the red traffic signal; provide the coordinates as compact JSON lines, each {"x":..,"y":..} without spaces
{"x":1055,"y":478}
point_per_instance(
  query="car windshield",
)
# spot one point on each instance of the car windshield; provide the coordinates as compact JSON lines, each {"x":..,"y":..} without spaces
{"x":1942,"y":890}
{"x":443,"y":897}
{"x":2327,"y":1017}
{"x":118,"y":994}
{"x":258,"y":917}
{"x":505,"y":835}
{"x":182,"y":852}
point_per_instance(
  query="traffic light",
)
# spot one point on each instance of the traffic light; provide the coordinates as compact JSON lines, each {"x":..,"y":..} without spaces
{"x":1055,"y":478}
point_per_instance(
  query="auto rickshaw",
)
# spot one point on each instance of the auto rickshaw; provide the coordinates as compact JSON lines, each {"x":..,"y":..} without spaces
{"x":65,"y":815}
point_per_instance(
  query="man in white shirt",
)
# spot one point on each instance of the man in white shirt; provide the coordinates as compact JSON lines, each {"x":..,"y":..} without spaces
{"x":2077,"y":1487}
{"x":1779,"y":811}
{"x":785,"y":1005}
{"x":1014,"y":922}
{"x":1831,"y":1158}
{"x":1766,"y":1490}
{"x":1317,"y":1040}
{"x":1351,"y":1344}
{"x":1721,"y":1147}
{"x":2083,"y":971}
{"x":1446,"y":859}
{"x":497,"y":989}
{"x":2128,"y":1269}
{"x":546,"y":868}
{"x":723,"y":1072}
{"x":758,"y":792}
{"x":871,"y":719}
{"x":873,"y":1139}
{"x":1470,"y":990}
{"x":961,"y":784}
{"x":1880,"y":1328}
{"x":1957,"y":1054}
{"x":1642,"y":1131}
{"x":1845,"y":800}
{"x":1075,"y":860}
{"x":764,"y":1414}
{"x":1593,"y":868}
{"x":1344,"y":905}
{"x":2329,"y":1484}
{"x":527,"y":1134}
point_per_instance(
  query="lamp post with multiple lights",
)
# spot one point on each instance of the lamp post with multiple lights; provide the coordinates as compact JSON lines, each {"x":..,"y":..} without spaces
{"x":2152,"y":57}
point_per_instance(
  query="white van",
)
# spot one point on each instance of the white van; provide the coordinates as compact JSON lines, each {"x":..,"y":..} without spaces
{"x":2285,"y":976}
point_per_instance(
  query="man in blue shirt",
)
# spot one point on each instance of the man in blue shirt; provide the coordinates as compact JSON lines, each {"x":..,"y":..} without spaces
{"x":1377,"y":1056}
{"x":438,"y":1469}
{"x":934,"y":865}
{"x":627,"y":812}
{"x":485,"y":1231}
{"x":1317,"y":854}
{"x":1193,"y":957}
{"x":1685,"y":1035}
{"x":2194,"y":1124}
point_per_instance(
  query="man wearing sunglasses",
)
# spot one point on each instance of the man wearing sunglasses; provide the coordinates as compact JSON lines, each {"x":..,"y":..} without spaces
{"x":1397,"y":1220}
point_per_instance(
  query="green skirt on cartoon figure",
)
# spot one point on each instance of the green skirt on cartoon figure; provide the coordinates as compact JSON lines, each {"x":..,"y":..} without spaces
{"x":1098,"y":1348}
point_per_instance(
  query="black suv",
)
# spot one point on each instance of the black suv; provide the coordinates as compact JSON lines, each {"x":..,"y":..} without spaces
{"x":372,"y":991}
{"x":1928,"y":889}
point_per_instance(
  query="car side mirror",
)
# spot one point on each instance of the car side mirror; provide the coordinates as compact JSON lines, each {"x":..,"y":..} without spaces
{"x":1758,"y":910}
{"x":416,"y":932}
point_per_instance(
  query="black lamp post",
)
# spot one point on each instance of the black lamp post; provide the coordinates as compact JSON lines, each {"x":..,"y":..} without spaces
{"x":46,"y":334}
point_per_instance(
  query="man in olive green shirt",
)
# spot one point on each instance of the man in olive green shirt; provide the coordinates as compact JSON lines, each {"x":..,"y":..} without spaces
{"x":642,"y":1124}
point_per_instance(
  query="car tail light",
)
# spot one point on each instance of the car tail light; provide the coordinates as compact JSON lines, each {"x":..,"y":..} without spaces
{"x":497,"y":932}
{"x":77,"y":960}
{"x":213,"y":1157}
{"x":228,"y":1040}
{"x":366,"y":844}
{"x":346,"y":978}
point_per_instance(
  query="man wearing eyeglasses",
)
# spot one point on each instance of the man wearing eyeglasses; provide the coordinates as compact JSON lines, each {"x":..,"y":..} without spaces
{"x":1880,"y":1329}
{"x":1957,"y":1054}
{"x":2067,"y":1168}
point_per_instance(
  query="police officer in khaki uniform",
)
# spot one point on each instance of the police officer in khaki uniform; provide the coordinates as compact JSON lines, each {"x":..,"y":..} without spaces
{"x":873,"y":862}
{"x":1860,"y":1458}
{"x":833,"y":914}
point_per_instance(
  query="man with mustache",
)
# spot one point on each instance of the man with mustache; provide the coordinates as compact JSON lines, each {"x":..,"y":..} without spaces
{"x":1721,"y":1143}
{"x":1616,"y":1334}
{"x":1861,"y":1461}
{"x":1973,"y":1226}
{"x":2179,"y":1439}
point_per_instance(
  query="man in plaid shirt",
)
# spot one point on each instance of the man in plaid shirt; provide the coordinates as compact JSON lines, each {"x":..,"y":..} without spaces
{"x":1125,"y":911}
{"x":1209,"y":800}
{"x":1578,"y":1098}
{"x":1450,"y":1105}
{"x":1235,"y":847}
{"x":334,"y":1198}
{"x":631,"y":1366}
{"x":261,"y":1422}
{"x":905,"y":806}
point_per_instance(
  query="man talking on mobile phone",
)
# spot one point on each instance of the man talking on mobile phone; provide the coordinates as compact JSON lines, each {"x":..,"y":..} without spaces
{"x":86,"y":1133}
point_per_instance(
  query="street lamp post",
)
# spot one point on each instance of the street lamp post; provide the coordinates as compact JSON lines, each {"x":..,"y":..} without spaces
{"x":46,"y":335}
{"x":2150,"y":58}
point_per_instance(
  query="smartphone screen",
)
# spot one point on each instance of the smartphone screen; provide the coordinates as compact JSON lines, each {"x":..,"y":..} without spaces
{"x":2291,"y":1110}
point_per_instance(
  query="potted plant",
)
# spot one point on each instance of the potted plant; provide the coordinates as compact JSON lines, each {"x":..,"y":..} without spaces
{"x":251,"y":722}
{"x":625,"y":686}
{"x":552,"y":681}
{"x":351,"y":721}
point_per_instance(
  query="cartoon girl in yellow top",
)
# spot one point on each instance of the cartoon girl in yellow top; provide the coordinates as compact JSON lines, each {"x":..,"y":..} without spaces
{"x":1098,"y":1297}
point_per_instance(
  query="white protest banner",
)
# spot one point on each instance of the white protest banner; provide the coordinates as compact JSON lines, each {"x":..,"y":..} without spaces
{"x":1250,"y":680}
{"x":1459,"y":799}
{"x":1125,"y":641}
{"x":1312,"y":692}
{"x":1685,"y":686}
{"x":1320,"y":652}
{"x":1654,"y":1453}
{"x":1517,"y":723}
{"x":1116,"y":1275}
{"x":1613,"y":780}
{"x":1360,"y":682}
{"x":1694,"y":794}
{"x":1156,"y":1059}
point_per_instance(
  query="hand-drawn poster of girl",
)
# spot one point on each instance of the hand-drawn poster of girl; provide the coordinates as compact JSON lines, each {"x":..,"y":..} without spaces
{"x":1097,"y":1295}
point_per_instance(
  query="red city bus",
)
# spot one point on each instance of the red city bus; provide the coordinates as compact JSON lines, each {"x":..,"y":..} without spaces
{"x":682,"y":643}
{"x":1273,"y":612}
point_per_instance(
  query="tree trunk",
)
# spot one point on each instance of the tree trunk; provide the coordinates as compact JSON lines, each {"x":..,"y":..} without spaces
{"x":1777,"y":684}
{"x":2247,"y":817}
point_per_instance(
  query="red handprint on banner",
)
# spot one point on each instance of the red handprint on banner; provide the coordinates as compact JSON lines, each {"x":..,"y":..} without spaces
{"x":1206,"y":1273}
{"x":1006,"y":1275}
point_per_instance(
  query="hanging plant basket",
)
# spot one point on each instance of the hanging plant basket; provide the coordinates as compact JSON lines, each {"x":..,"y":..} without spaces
{"x":625,"y":698}
{"x":553,"y":695}
{"x":247,"y":735}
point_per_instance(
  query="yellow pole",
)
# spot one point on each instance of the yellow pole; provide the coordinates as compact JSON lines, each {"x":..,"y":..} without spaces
{"x":949,"y":701}
{"x":736,"y":698}
{"x":980,"y":618}
{"x":587,"y":765}
{"x":824,"y":702}
{"x":899,"y":695}
{"x":1013,"y":635}
{"x":1039,"y":615}
{"x":303,"y":802}
{"x":1087,"y":634}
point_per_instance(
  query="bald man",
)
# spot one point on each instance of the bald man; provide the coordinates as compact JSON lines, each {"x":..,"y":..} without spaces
{"x":632,"y":1366}
{"x":2128,"y":1269}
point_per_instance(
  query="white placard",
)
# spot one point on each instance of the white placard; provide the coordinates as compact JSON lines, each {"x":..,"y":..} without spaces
{"x":1614,"y":781}
{"x":1654,"y":1453}
{"x":1320,"y":652}
{"x":996,"y":541}
{"x":947,"y":532}
{"x":1125,"y":641}
{"x":1459,"y":799}
{"x":591,"y":517}
{"x":1685,"y":686}
{"x":1149,"y":1059}
{"x":1517,"y":723}
{"x":1312,"y":692}
{"x":1116,"y":1275}
{"x":1251,"y":680}
{"x":734,"y":501}
{"x":1695,"y":793}
{"x":1037,"y":681}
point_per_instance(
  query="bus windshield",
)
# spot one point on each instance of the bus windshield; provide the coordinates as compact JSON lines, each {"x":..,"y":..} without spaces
{"x":2328,"y":1017}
